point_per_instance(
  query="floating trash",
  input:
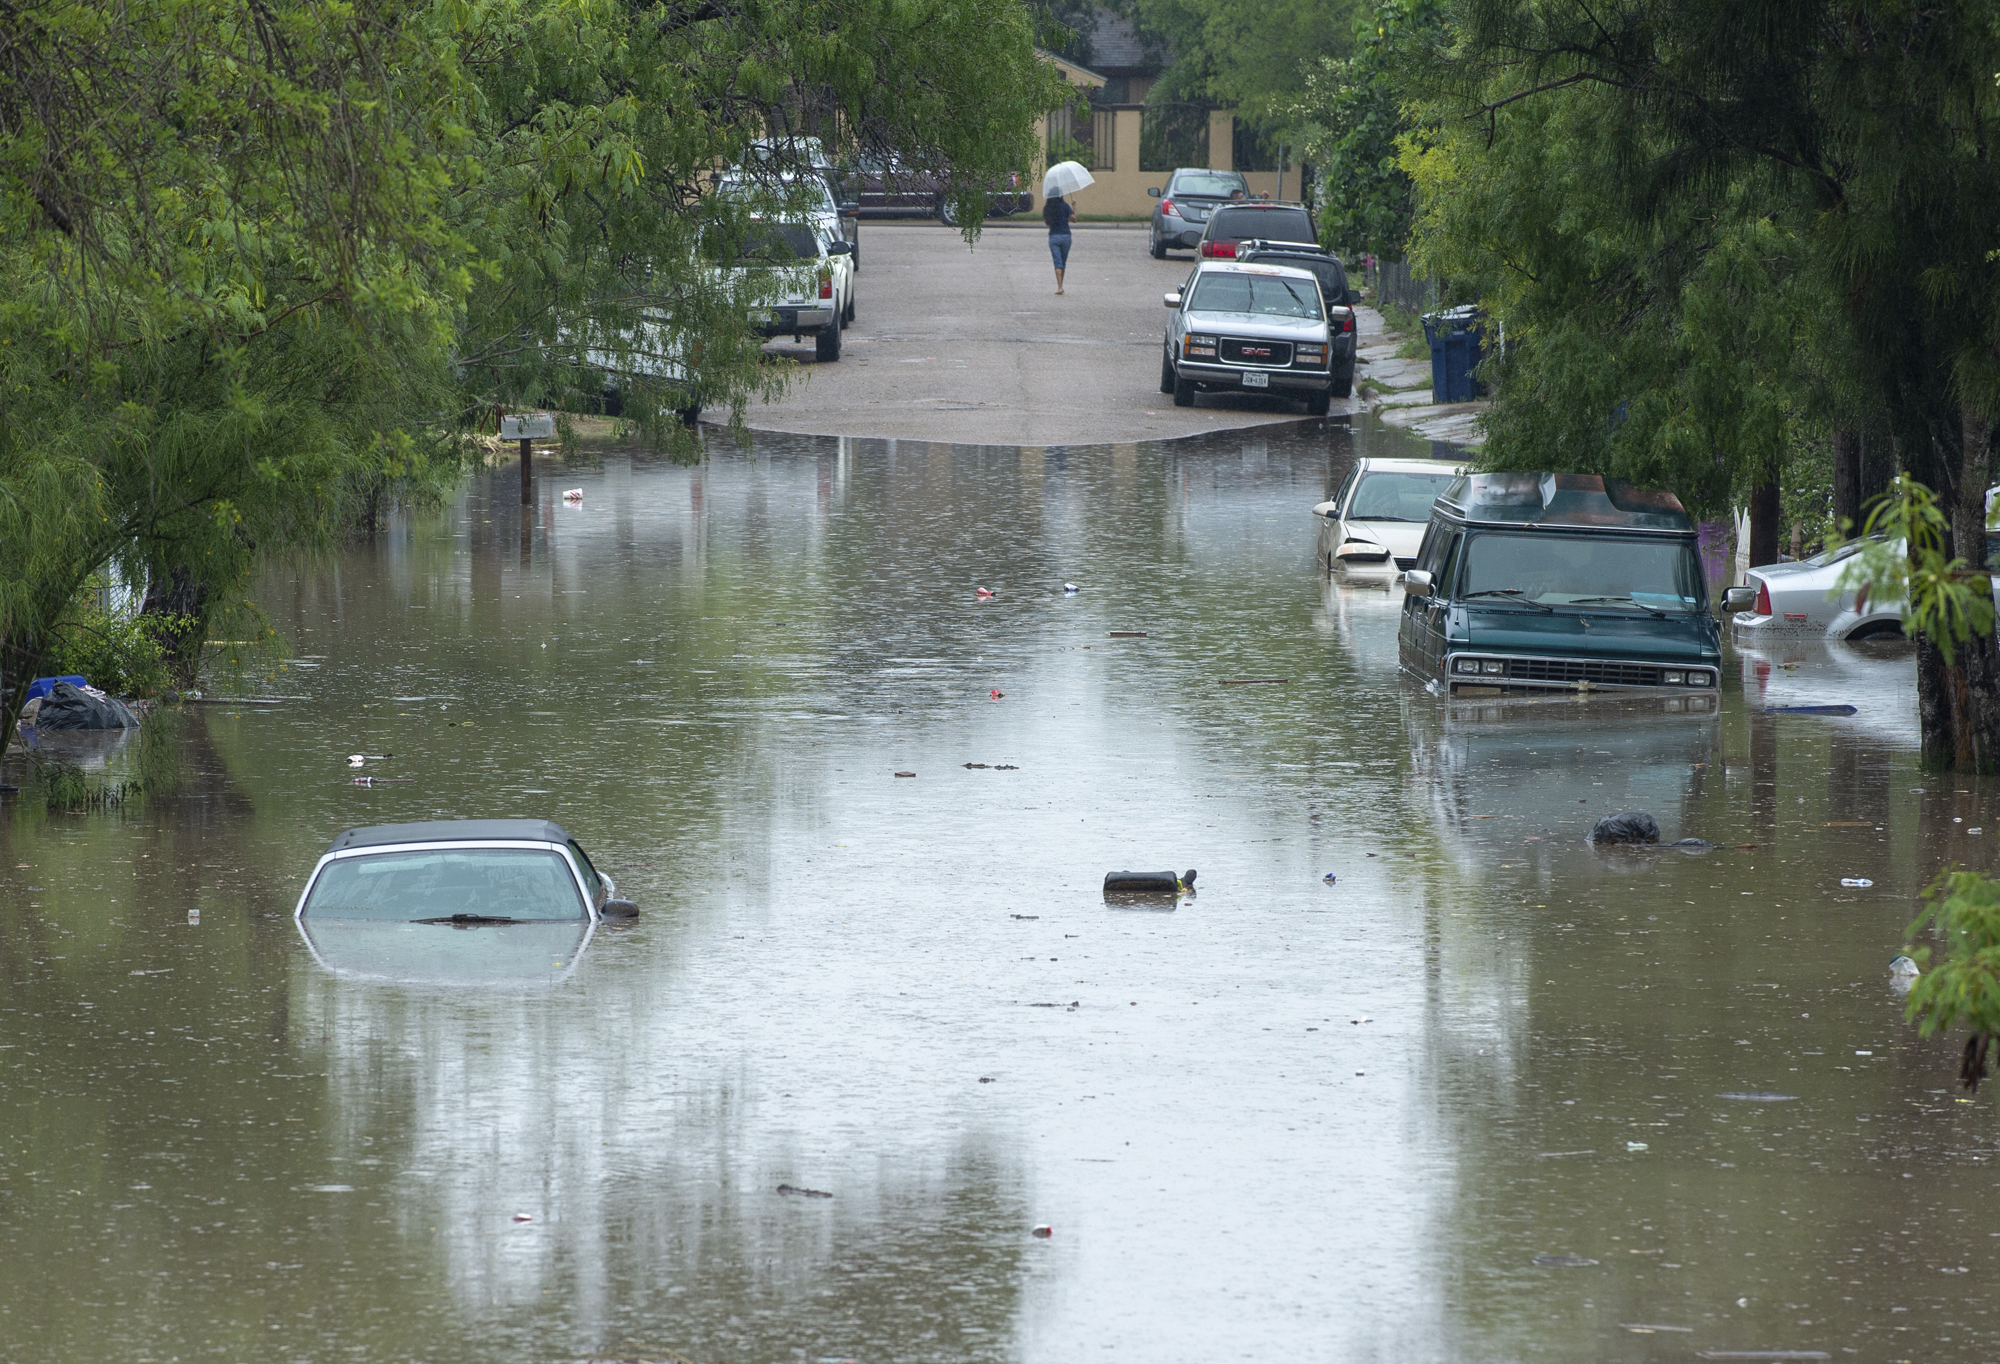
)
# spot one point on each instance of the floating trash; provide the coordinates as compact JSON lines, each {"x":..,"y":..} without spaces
{"x":1644,"y":1328}
{"x":1900,"y":965}
{"x":1756,"y":1096}
{"x":1070,"y":589}
{"x":572,"y":494}
{"x":329,"y":1188}
{"x":1328,"y":878}
{"x":1044,"y":1232}
{"x":1635,"y":1146}
{"x":1564,"y":1261}
{"x":524,"y":1217}
{"x":1856,"y":882}
{"x":982,"y":592}
{"x":794,"y":1191}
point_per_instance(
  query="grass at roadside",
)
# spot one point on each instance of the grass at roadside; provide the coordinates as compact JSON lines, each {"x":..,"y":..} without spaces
{"x":1400,"y":321}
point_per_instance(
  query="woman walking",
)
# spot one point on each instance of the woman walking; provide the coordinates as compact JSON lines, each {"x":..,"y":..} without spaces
{"x":1057,"y":213}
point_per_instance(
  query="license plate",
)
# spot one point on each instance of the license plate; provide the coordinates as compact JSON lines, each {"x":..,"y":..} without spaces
{"x":1255,"y":379}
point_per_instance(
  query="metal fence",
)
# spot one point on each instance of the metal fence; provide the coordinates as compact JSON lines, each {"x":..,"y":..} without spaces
{"x":1392,"y":283}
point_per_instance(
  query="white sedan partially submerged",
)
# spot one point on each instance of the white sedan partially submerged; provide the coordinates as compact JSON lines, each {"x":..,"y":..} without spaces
{"x":1376,"y":520}
{"x":1805,"y":598}
{"x":386,"y":901}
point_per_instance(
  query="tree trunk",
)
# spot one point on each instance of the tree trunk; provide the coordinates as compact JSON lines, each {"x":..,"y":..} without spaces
{"x":181,"y":604}
{"x":1764,"y":509}
{"x":1958,"y":702}
{"x":1878,"y":469}
{"x":1848,"y":453}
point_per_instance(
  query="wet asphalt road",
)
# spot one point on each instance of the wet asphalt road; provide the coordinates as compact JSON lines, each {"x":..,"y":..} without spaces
{"x":1279,"y":1119}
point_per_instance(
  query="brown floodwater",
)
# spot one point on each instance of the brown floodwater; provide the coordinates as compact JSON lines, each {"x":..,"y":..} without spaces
{"x":1470,"y":1102}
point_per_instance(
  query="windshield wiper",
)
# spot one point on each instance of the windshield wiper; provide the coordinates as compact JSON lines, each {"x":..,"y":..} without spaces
{"x":1622,"y":601}
{"x":1363,"y":516}
{"x":1514,"y":592}
{"x":468,"y":920}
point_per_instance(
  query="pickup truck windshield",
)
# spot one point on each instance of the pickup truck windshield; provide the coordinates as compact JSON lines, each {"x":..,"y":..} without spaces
{"x":1396,"y":497}
{"x":777,"y":244}
{"x":1267,"y":295}
{"x":518,"y":884}
{"x":1601,"y":572}
{"x":1213,"y":184}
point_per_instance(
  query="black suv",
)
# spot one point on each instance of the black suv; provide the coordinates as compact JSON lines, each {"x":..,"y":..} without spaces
{"x":1342,"y":324}
{"x":1233,"y":223}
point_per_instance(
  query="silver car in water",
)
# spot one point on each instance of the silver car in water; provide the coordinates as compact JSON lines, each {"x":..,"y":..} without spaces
{"x":1248,"y":329}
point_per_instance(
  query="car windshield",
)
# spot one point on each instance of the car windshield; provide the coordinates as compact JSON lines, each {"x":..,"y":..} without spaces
{"x":519,"y":884}
{"x":1266,"y":295}
{"x":1241,"y":222}
{"x":776,"y":244}
{"x":1594,"y":570}
{"x":1215,"y":184}
{"x":1396,"y":497}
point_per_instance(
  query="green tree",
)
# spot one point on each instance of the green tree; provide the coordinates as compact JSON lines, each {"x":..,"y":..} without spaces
{"x":263,"y":262}
{"x":1722,"y":225}
{"x":1350,"y":118}
{"x":1252,"y":57}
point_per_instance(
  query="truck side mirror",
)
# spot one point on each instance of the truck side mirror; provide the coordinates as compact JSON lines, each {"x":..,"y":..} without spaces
{"x":1417,"y":583}
{"x":1171,"y":300}
{"x":1739,"y":598}
{"x":1353,"y":297}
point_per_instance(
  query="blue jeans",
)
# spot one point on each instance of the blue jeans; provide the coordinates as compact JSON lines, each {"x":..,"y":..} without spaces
{"x":1059,"y":248}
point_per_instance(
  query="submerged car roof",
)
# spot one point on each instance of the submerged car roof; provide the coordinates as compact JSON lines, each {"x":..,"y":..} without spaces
{"x":1576,"y":501}
{"x":451,"y":831}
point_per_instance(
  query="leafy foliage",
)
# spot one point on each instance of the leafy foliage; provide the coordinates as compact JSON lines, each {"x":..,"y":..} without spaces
{"x":1352,"y":115}
{"x":263,"y":263}
{"x":1965,"y":986}
{"x":1907,"y":558}
{"x":1250,"y":55}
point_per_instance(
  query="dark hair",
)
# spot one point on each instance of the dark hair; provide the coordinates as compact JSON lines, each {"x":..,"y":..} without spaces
{"x":1052,"y":211}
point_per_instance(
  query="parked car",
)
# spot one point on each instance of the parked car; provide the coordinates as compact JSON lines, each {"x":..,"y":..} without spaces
{"x":1244,"y":328}
{"x":383,"y":901}
{"x":816,"y":297}
{"x":1186,"y":200}
{"x":797,"y":195}
{"x":1805,"y":597}
{"x":1377,"y":518}
{"x":885,"y":186}
{"x":1340,"y":298}
{"x":1530,"y":583}
{"x":1233,"y":223}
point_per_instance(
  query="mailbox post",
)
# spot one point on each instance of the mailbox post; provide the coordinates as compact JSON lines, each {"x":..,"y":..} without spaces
{"x":527,"y":429}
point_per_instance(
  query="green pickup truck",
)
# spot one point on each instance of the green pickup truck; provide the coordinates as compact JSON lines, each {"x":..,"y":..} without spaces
{"x":1539,"y":583}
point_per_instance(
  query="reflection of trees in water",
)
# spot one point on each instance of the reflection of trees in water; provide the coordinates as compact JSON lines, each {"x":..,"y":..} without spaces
{"x":652,"y":1183}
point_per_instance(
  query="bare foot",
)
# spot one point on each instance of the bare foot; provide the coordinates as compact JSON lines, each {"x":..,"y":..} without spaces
{"x":1058,"y":292}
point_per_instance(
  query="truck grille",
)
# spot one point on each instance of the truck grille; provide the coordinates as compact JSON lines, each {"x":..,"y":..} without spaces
{"x":1583,"y":670}
{"x":1244,"y":351}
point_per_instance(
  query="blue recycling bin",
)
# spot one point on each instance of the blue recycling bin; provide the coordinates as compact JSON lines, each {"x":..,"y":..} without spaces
{"x":1457,"y":340}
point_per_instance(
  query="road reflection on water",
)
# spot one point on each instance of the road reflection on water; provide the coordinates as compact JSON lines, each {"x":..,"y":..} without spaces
{"x":1282,"y":1120}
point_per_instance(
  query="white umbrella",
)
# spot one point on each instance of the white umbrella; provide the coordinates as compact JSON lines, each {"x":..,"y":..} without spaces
{"x":1065,"y":177}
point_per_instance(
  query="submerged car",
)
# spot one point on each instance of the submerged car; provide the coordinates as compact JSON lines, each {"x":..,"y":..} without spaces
{"x":390,"y":901}
{"x":1246,"y":328}
{"x":1806,"y":598}
{"x":1186,"y":200}
{"x":1378,"y":517}
{"x":1531,"y":583}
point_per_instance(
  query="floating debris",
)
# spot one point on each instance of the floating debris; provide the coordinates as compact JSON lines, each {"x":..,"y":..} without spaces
{"x":1564,"y":1261}
{"x":794,"y":1191}
{"x":1756,"y":1096}
{"x":1856,"y":882}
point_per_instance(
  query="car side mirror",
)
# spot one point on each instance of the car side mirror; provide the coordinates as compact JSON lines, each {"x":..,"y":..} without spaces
{"x":1739,"y":598}
{"x":1153,"y":193}
{"x":840,"y":248}
{"x":1417,"y":583}
{"x":618,"y":909}
{"x":1171,"y":300}
{"x":1328,"y":509}
{"x":1353,"y":297}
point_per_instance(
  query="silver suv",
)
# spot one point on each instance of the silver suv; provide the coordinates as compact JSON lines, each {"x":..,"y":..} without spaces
{"x":1248,"y":328}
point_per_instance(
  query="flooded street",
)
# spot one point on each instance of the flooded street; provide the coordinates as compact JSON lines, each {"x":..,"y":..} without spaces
{"x":1489,"y":1096}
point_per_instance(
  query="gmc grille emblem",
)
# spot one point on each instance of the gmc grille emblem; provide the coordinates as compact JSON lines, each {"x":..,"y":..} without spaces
{"x":1256,"y":350}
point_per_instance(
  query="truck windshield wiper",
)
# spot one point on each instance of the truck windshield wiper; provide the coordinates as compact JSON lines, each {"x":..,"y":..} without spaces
{"x":1514,"y":592}
{"x":1622,"y":601}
